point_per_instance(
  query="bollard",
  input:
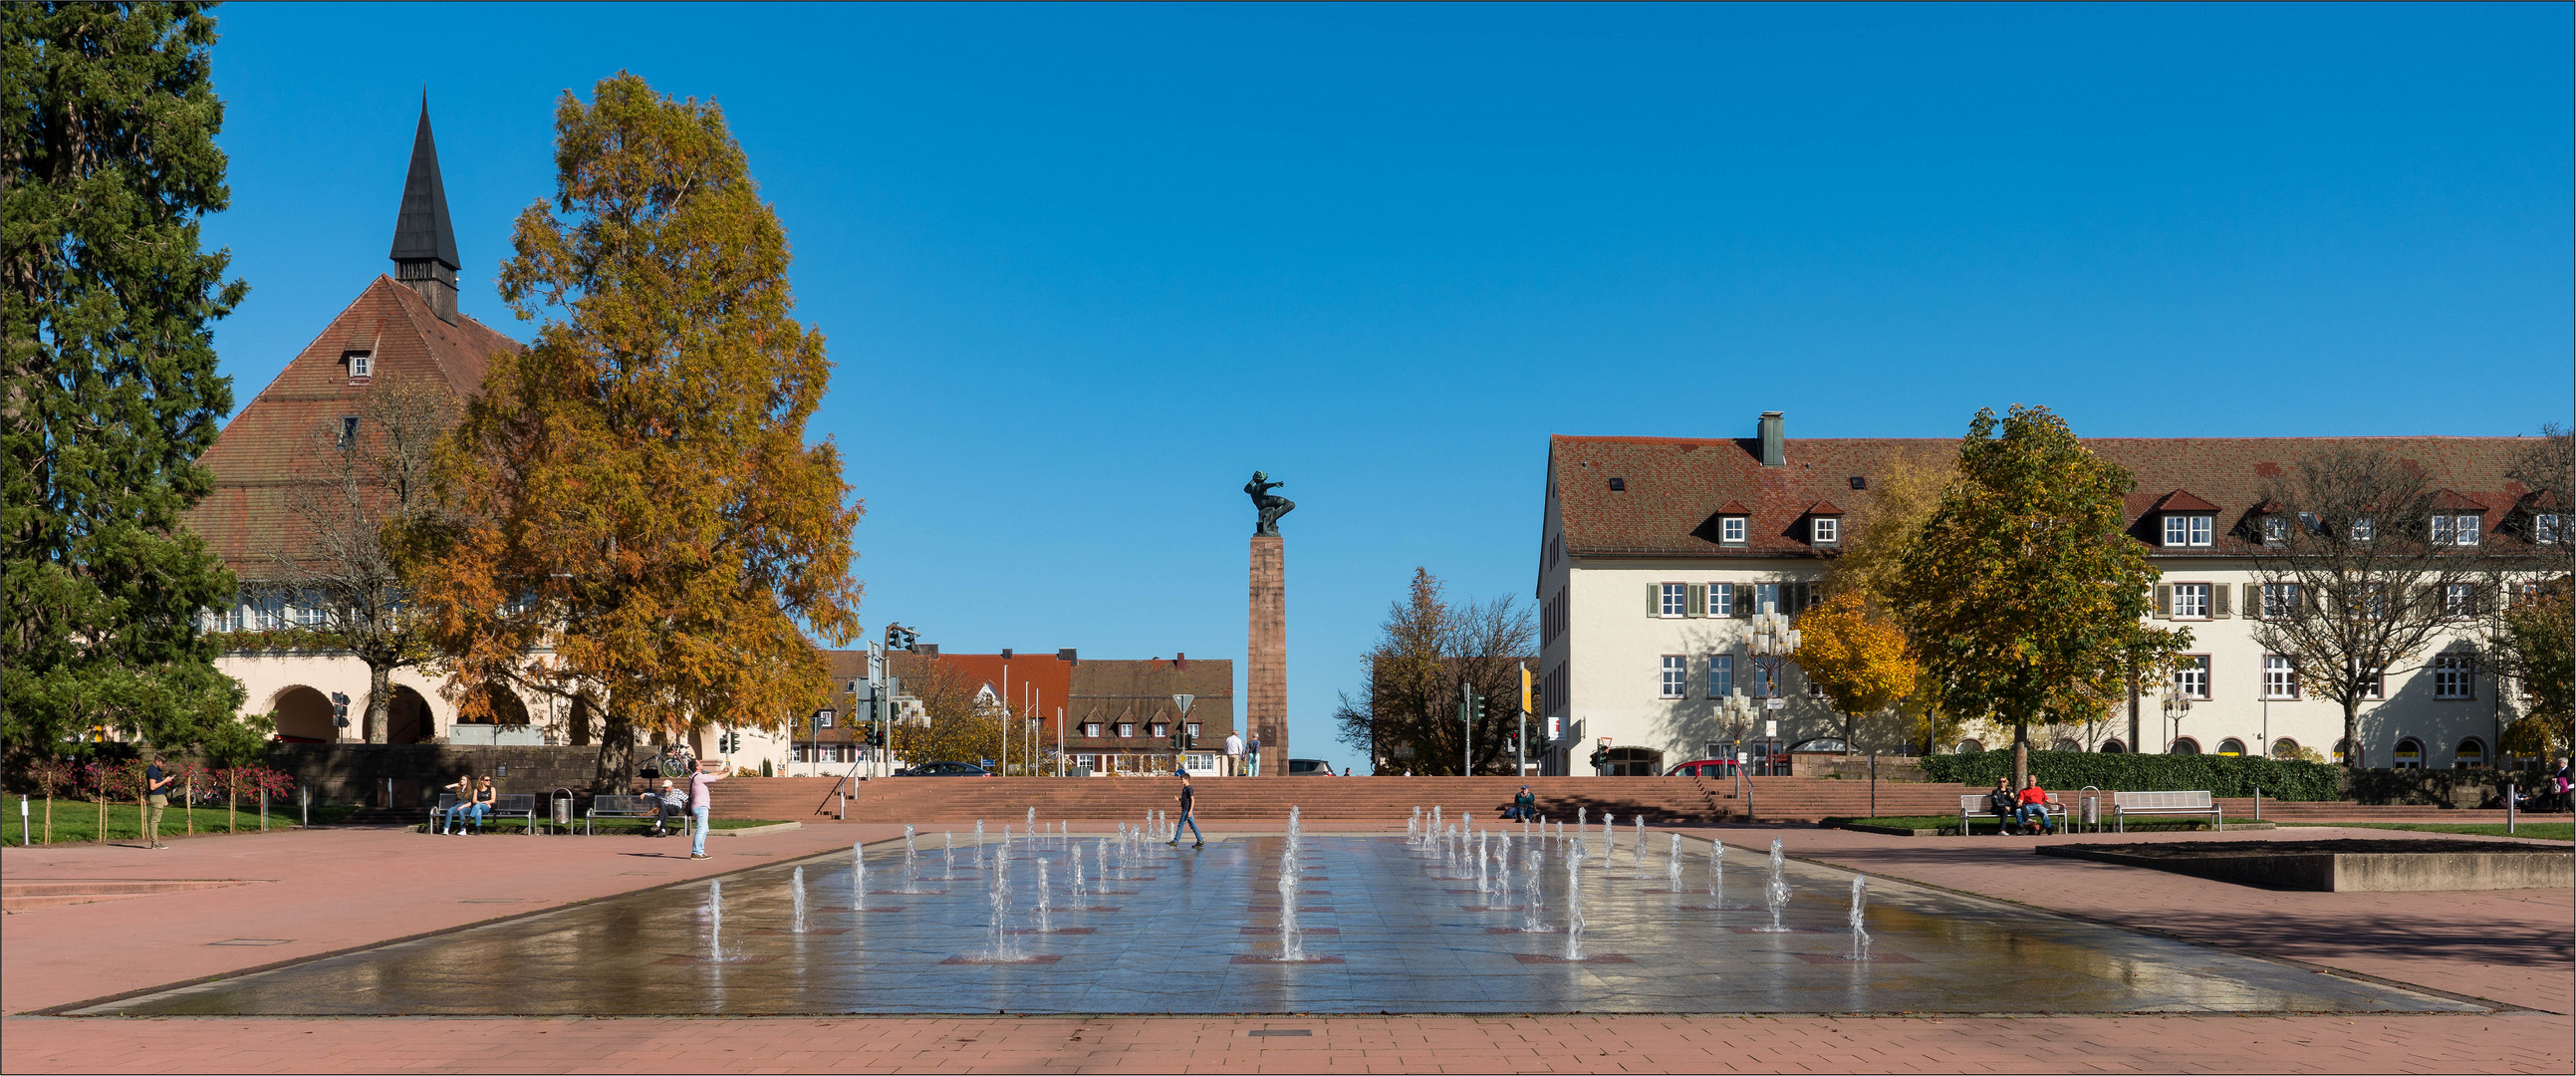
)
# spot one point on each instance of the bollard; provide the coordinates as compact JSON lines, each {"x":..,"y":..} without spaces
{"x":304,"y":796}
{"x":2258,"y":803}
{"x":263,"y":810}
{"x":26,"y":835}
{"x":2509,"y":813}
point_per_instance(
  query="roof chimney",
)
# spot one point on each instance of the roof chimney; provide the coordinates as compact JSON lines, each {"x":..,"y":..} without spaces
{"x":424,"y":251}
{"x":1065,"y":654}
{"x":1774,"y":453}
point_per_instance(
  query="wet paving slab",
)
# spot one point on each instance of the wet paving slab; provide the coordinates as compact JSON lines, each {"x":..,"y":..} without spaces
{"x":1201,"y":930}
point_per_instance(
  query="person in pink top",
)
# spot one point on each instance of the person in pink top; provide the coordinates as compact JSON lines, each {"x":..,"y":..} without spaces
{"x":701,"y":798}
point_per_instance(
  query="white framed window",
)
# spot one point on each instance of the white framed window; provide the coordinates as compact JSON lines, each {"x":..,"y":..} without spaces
{"x":2191,"y":678}
{"x":1192,"y":728}
{"x":2363,"y":529}
{"x":1731,"y":529}
{"x":1673,"y":599}
{"x":1766,"y":597}
{"x":2191,"y":601}
{"x":2280,"y":600}
{"x":1091,"y":729}
{"x":2459,"y":598}
{"x":2280,"y":677}
{"x":2377,"y":687}
{"x":2544,"y":528}
{"x":1721,"y":599}
{"x":1825,"y":530}
{"x":1161,"y":729}
{"x":2181,"y":531}
{"x":1676,"y":676}
{"x":309,"y":613}
{"x":2276,"y":530}
{"x":2455,"y":676}
{"x":823,"y":719}
{"x":1766,"y":680}
{"x":1721,"y":675}
{"x":2466,"y":532}
{"x":361,"y":364}
{"x":1126,"y":730}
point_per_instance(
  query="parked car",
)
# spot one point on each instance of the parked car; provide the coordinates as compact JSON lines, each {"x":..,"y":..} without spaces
{"x":1706,"y":767}
{"x":1309,"y":767}
{"x":945,"y":769}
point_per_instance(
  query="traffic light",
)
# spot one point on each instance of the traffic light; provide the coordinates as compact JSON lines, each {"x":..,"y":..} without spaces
{"x":1475,"y":707}
{"x":1600,"y":757}
{"x":339,"y":710}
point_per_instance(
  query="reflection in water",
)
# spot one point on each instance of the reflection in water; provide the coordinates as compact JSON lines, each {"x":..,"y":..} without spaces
{"x":1408,"y":947}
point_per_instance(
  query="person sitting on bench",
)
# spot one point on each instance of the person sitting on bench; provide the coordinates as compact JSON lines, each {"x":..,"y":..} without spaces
{"x":2005,"y":805}
{"x":2034,"y":806}
{"x":675,"y":808}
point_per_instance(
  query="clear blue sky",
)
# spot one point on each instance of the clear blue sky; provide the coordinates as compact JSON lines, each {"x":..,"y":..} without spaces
{"x":1084,"y":269}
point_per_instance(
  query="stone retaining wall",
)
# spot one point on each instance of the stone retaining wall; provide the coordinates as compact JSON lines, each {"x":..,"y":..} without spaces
{"x":356,"y":773}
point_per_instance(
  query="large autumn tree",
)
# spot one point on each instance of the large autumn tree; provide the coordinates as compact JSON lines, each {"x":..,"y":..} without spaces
{"x":110,"y":389}
{"x":1431,"y":651}
{"x":634,"y":492}
{"x":2023,"y":594}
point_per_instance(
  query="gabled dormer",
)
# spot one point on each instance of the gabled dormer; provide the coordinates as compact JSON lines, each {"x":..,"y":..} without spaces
{"x":2456,"y":519}
{"x":1823,"y":524}
{"x":2184,"y":521}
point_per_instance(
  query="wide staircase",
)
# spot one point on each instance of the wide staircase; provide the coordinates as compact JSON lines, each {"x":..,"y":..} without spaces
{"x":1347,"y":800}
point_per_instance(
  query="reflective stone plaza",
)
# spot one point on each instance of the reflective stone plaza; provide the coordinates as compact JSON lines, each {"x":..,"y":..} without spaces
{"x":1457,"y":922}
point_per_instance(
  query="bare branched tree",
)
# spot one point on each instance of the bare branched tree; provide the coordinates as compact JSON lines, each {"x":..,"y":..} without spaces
{"x":1429,"y":653}
{"x":2360,"y":566}
{"x":363,"y":473}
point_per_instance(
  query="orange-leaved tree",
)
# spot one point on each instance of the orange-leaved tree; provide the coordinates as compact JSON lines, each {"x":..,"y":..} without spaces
{"x":634,"y":491}
{"x":1859,"y":660}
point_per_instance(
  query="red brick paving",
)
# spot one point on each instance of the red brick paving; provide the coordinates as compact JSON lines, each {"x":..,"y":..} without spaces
{"x":340,"y":888}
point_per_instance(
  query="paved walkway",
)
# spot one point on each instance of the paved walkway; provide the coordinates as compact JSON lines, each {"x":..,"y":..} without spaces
{"x":335,"y":889}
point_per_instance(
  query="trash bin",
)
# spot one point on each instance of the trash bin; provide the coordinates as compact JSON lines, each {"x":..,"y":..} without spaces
{"x":563,"y":808}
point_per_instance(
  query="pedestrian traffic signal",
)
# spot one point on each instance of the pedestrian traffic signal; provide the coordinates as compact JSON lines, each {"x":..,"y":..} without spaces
{"x":1600,"y":757}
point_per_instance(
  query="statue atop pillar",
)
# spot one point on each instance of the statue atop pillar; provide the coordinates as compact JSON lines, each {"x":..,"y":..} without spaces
{"x":1269,"y":505}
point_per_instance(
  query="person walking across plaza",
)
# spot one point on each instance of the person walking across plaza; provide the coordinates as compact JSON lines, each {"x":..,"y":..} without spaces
{"x":156,"y":798}
{"x":2034,"y":806}
{"x":702,"y":799}
{"x":1189,"y":816}
{"x":1252,"y":755}
{"x":1233,"y":755}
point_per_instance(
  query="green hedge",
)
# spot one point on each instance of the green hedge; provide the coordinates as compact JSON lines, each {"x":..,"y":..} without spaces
{"x":2066,"y":771}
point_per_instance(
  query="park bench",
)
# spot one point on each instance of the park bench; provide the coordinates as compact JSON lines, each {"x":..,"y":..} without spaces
{"x":516,"y":805}
{"x":2124,"y":804}
{"x":1973,"y":809}
{"x":645,"y":806}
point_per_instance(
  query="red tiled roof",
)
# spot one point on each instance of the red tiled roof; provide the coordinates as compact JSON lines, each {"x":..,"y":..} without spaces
{"x":1823,"y":508}
{"x":2450,"y":500}
{"x":263,"y":448}
{"x":1678,"y":486}
{"x":2181,"y":500}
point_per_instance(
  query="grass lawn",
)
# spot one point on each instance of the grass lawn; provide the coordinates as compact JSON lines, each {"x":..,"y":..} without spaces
{"x":76,"y":821}
{"x":2548,"y":831}
{"x":1951,"y":821}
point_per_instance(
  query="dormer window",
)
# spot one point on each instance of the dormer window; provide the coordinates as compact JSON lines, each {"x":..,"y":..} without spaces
{"x":2544,"y":528}
{"x":2363,"y":530}
{"x":2186,"y":531}
{"x":1731,"y":529}
{"x":2455,"y":530}
{"x":2276,"y":530}
{"x":361,"y":364}
{"x":1825,"y":530}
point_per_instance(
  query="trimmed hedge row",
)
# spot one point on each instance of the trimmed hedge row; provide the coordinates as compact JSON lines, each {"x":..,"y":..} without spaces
{"x":2065,"y":771}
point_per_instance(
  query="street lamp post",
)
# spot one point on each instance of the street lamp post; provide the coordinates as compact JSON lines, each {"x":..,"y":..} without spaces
{"x":1771,"y":643}
{"x":2176,"y":708}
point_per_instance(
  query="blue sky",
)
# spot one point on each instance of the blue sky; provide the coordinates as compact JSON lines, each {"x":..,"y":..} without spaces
{"x":1084,"y":268}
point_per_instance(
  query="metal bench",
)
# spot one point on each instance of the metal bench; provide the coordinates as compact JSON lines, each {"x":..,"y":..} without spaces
{"x":438,"y":814}
{"x":2124,"y":804}
{"x":516,"y":805}
{"x":645,"y":806}
{"x":1973,"y":808}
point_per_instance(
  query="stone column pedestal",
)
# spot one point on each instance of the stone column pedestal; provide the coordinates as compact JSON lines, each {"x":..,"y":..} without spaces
{"x":1265,"y":696}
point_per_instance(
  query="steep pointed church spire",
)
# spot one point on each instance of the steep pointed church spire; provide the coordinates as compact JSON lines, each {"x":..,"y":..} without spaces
{"x":424,"y":252}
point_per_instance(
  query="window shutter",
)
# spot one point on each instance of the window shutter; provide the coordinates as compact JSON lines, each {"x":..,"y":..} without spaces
{"x":1697,"y":603}
{"x":2253,"y":601}
{"x":2218,"y":602}
{"x":2164,"y":601}
{"x":1744,"y":602}
{"x":1654,"y":599}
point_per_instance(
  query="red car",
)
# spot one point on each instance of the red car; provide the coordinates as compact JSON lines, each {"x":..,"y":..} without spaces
{"x":1707,"y":767}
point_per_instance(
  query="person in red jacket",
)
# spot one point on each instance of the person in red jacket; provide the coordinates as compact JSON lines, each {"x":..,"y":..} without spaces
{"x":2034,"y":805}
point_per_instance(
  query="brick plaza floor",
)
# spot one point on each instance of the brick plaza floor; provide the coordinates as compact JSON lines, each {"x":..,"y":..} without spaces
{"x":334,"y":890}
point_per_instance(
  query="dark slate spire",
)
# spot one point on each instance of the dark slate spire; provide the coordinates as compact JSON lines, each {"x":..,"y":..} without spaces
{"x":424,"y":242}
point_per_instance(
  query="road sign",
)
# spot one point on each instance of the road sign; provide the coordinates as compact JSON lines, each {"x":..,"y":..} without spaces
{"x":1770,"y":730}
{"x":1775,"y":703}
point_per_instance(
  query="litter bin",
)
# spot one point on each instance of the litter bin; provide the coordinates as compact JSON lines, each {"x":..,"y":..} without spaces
{"x":562,"y":803}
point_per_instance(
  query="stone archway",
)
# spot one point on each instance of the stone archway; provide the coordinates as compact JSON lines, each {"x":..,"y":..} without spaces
{"x":407,"y":717}
{"x":1636,"y":762}
{"x":303,"y":716}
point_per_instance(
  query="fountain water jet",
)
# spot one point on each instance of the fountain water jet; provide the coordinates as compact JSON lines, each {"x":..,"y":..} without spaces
{"x":1043,"y":903}
{"x":1859,"y":933}
{"x":1574,"y":902}
{"x":1637,"y":848}
{"x":1673,"y":863}
{"x":979,"y":844}
{"x":911,"y":861}
{"x":1775,"y":894}
{"x":858,"y":877}
{"x":1716,"y":871}
{"x":947,"y":856}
